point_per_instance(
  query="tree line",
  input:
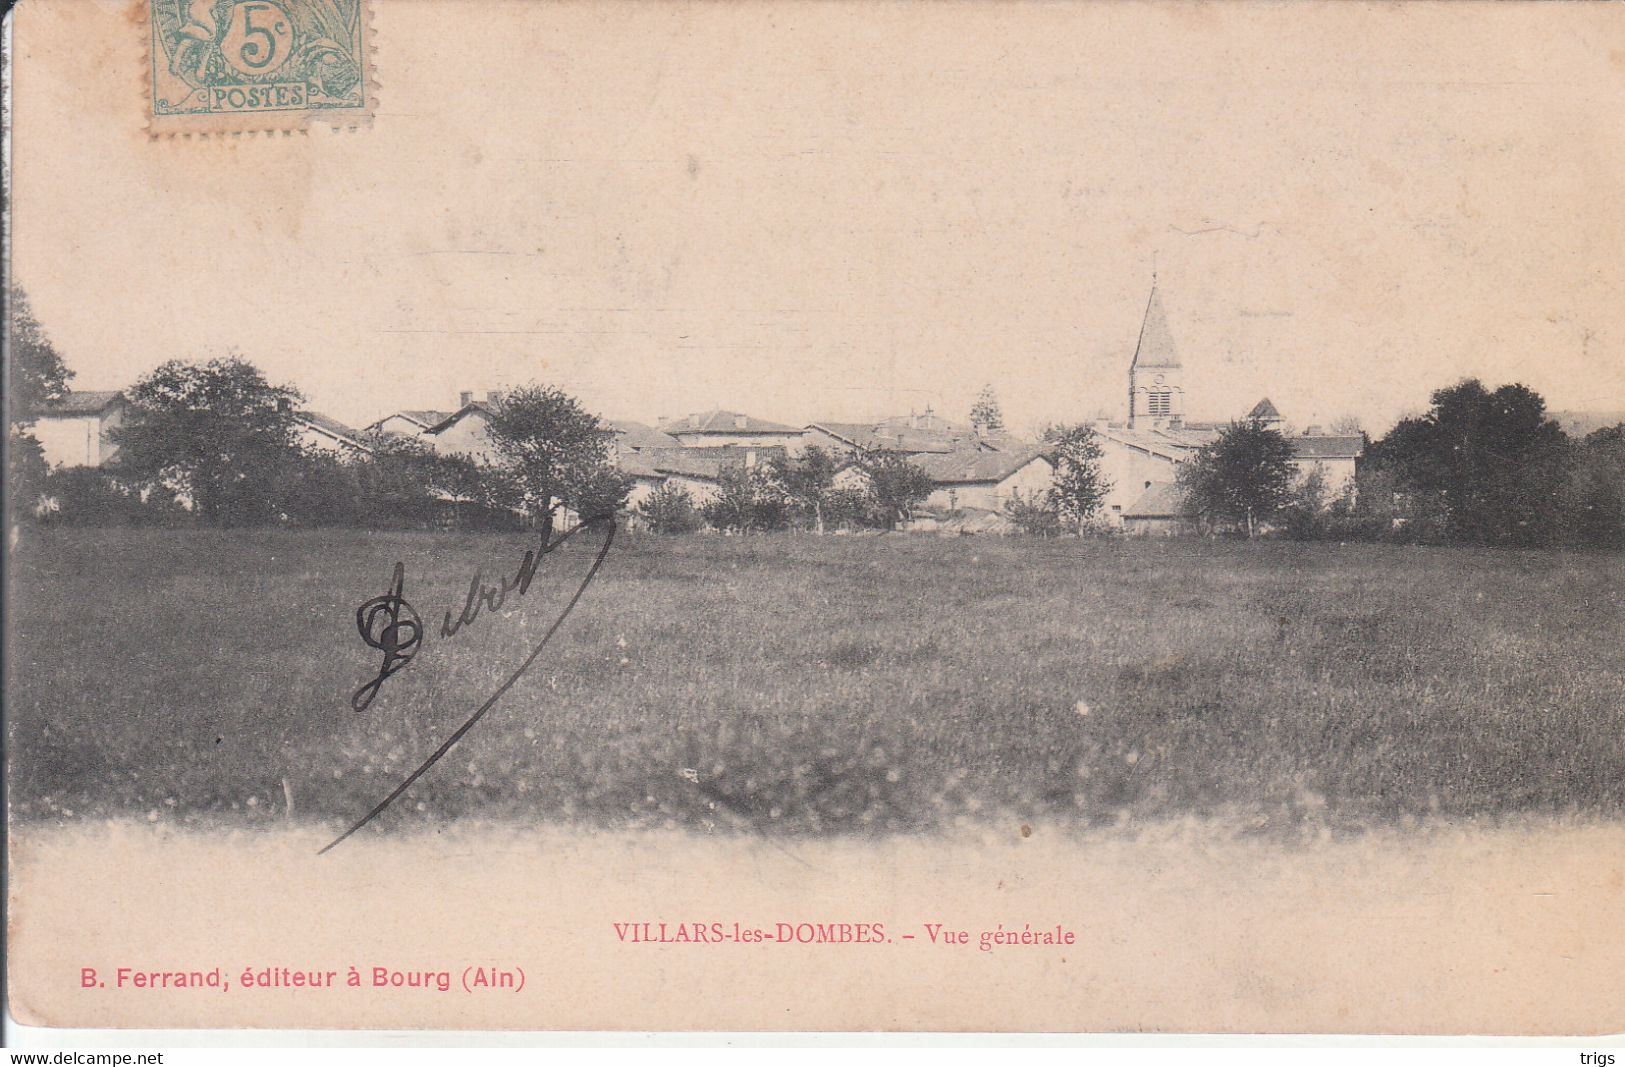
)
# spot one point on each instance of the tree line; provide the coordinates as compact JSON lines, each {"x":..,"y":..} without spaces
{"x":1480,"y":466}
{"x":803,"y":490}
{"x":215,"y":442}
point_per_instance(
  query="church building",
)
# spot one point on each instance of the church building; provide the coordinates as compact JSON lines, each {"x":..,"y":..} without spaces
{"x":1141,"y":455}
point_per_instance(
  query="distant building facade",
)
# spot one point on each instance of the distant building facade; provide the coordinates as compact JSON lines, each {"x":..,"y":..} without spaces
{"x":77,"y":430}
{"x":716,"y":429}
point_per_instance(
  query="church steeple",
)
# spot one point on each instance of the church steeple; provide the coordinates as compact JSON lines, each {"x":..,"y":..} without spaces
{"x":1155,"y":388}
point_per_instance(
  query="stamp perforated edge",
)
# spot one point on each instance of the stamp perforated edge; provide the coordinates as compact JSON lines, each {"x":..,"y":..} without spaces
{"x":239,"y":124}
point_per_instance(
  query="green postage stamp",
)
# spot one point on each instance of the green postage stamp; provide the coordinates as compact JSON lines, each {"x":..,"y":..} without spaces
{"x":226,"y":66}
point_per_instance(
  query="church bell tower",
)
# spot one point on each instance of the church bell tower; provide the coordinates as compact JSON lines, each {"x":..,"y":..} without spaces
{"x":1156,"y":388}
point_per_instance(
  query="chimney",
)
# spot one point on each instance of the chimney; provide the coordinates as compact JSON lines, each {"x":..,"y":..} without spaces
{"x":493,"y":397}
{"x":1313,"y":431}
{"x":740,"y":422}
{"x":464,"y":398}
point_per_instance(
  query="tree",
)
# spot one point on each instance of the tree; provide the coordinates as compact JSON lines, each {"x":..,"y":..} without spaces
{"x":1305,"y":514}
{"x":481,"y":495}
{"x":895,"y":486}
{"x":985,"y":416}
{"x":217,"y":432}
{"x":1242,"y":477}
{"x":324,"y":489}
{"x":37,"y":374}
{"x":1035,"y":516}
{"x":1595,"y":504}
{"x":558,"y":455}
{"x":669,"y":510}
{"x":747,"y":499}
{"x":848,"y":506}
{"x":1494,"y":459}
{"x":26,"y":474}
{"x":806,"y":481}
{"x":399,"y":478}
{"x":1079,"y":485}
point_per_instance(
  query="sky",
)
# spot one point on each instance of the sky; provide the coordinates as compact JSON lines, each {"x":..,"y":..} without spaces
{"x":840,"y":211}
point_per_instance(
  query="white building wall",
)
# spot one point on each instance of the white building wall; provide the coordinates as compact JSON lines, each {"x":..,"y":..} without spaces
{"x":642,"y":488}
{"x":1128,"y":470}
{"x":700,"y":490}
{"x":468,"y":436}
{"x":79,"y":440}
{"x":1339,"y":472}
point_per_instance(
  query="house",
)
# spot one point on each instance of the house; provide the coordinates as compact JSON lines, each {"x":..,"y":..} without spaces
{"x":76,"y":430}
{"x":1159,"y":511}
{"x":712,"y":429}
{"x":320,"y":433}
{"x":646,"y":479}
{"x":466,"y":431}
{"x":697,"y":470}
{"x":986,"y":480}
{"x":1338,"y":457}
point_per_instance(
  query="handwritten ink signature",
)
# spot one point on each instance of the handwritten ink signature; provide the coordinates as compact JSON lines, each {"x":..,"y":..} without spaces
{"x":391,"y":625}
{"x":383,"y":627}
{"x":399,"y":642}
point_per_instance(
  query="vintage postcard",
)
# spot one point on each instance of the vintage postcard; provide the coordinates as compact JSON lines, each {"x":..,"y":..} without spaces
{"x":792,"y":516}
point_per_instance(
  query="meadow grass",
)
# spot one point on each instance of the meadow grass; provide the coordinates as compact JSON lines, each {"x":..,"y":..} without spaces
{"x":808,"y":684}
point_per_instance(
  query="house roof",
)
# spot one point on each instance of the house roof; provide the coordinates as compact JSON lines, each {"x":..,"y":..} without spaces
{"x":1155,"y":347}
{"x":890,"y":438}
{"x":724,"y":422}
{"x":1264,"y":410}
{"x":634,"y":464}
{"x":478,"y":406}
{"x":1163,"y":500}
{"x":421,"y":419}
{"x":1155,"y":442}
{"x":689,"y":462}
{"x":638,"y":436}
{"x":958,"y":468}
{"x":79,"y":402}
{"x":1323,"y":447}
{"x":332,"y":427}
{"x":1190,"y":437}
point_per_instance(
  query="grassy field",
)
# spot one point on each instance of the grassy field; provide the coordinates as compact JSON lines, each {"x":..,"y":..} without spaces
{"x":817,"y":685}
